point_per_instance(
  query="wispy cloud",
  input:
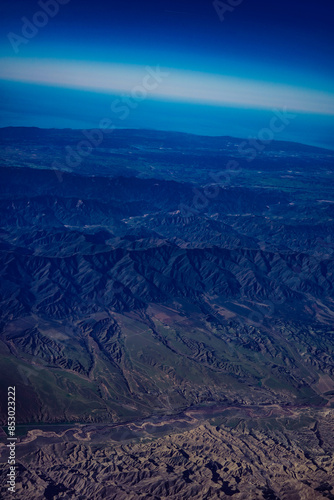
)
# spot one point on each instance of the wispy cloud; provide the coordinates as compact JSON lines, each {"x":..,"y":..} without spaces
{"x":184,"y":86}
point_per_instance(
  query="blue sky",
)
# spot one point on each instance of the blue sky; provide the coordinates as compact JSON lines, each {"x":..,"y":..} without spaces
{"x":224,"y":77}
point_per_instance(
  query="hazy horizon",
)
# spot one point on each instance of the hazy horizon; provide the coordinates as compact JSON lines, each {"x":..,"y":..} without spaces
{"x":215,"y":73}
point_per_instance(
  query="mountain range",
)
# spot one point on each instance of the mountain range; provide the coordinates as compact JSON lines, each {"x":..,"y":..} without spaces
{"x":167,"y":276}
